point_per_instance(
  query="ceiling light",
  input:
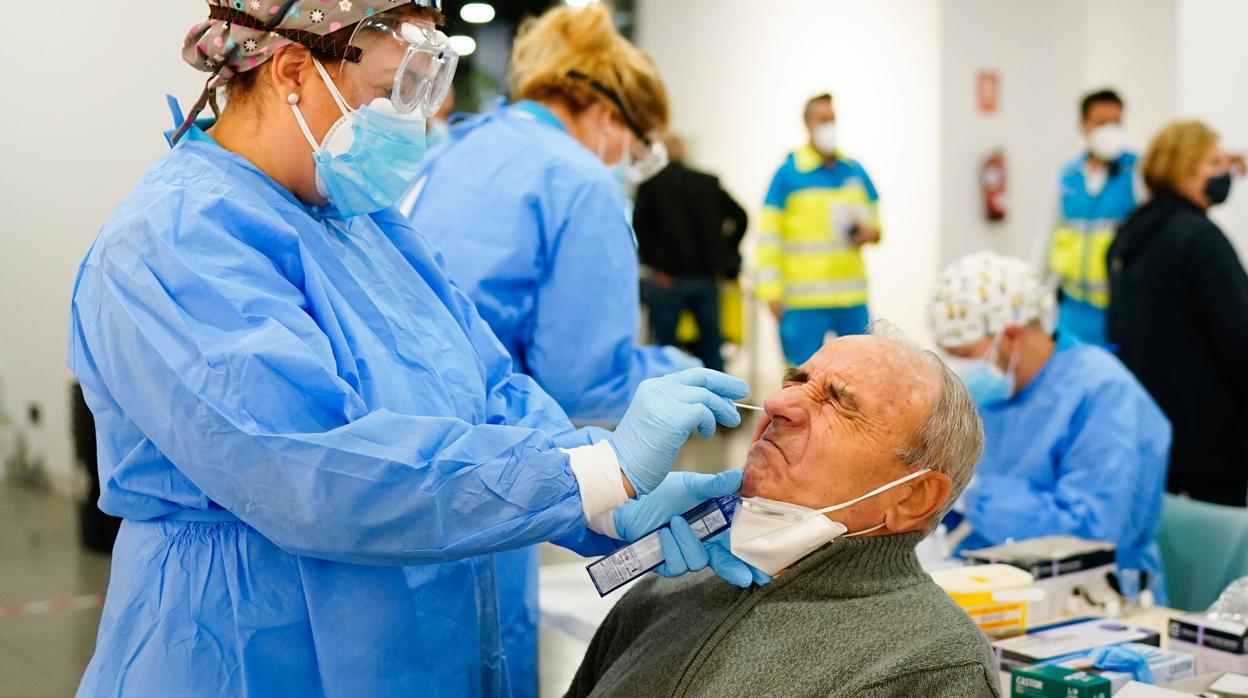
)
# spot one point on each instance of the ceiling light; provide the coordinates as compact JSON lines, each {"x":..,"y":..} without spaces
{"x":477,"y":12}
{"x":463,"y":45}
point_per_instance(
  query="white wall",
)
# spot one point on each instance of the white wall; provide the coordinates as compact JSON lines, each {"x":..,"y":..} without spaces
{"x":738,"y":87}
{"x":1036,"y":49}
{"x":1130,"y":45}
{"x":84,"y":111}
{"x":1212,"y":64}
{"x":1048,"y":55}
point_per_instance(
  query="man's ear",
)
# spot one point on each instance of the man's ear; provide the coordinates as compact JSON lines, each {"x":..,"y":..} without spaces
{"x":1012,"y":337}
{"x":925,"y":496}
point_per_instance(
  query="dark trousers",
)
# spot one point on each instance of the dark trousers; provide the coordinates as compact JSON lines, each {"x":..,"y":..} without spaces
{"x":699,"y":295}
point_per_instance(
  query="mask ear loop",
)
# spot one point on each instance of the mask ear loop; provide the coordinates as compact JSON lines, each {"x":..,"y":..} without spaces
{"x":1010,"y":365}
{"x":879,"y":490}
{"x":333,"y":89}
{"x":293,"y":100}
{"x":602,"y":144}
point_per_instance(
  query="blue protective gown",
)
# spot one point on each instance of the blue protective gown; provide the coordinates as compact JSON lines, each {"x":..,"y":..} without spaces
{"x":532,"y":227}
{"x":1081,"y":451}
{"x":291,"y":409}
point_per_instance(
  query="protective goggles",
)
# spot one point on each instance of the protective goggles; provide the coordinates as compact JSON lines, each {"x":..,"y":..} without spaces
{"x":648,"y":154}
{"x":410,"y":64}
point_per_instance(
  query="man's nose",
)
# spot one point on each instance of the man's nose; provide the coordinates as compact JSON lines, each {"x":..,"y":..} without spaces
{"x":787,"y":406}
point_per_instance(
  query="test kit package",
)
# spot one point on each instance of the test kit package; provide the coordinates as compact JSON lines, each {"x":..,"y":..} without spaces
{"x":1219,"y":645}
{"x":1078,"y":678}
{"x":1063,"y":566}
{"x":1054,"y":681}
{"x":709,"y":518}
{"x":1048,"y":557}
{"x":1061,"y":641}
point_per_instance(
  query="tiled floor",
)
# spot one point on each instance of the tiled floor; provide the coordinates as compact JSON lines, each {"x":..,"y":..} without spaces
{"x":40,"y":559}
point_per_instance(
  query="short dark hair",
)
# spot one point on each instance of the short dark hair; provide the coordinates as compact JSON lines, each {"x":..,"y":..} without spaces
{"x":810,"y":103}
{"x":1105,"y":95}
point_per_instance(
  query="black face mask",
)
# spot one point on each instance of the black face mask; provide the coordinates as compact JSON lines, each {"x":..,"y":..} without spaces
{"x":1218,"y":188}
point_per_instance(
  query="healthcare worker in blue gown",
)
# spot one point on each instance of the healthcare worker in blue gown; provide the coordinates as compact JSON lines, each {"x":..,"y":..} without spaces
{"x":1073,"y":444}
{"x":523,"y":205}
{"x":315,"y":441}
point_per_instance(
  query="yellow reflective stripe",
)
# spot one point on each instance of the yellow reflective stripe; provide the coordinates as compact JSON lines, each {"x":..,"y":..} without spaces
{"x":807,"y":159}
{"x":815,"y":247}
{"x":769,"y":285}
{"x":772,"y":220}
{"x":825,"y":296}
{"x":809,"y":213}
{"x":1077,"y":258}
{"x":844,"y":265}
{"x":824,"y":287}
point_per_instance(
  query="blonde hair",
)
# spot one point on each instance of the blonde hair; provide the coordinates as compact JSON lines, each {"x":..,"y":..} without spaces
{"x":566,"y":40}
{"x":1174,"y":154}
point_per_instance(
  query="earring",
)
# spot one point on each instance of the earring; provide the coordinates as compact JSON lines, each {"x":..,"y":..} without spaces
{"x":292,"y":99}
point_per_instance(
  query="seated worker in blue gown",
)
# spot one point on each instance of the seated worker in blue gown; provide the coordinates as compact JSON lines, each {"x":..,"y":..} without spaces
{"x":1074,"y":445}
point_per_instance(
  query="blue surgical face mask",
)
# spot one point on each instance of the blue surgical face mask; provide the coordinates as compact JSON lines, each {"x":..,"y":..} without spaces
{"x":369,"y":157}
{"x":984,"y":379}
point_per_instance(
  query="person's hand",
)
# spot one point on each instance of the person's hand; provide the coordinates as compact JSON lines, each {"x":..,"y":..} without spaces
{"x":777,"y":310}
{"x":664,"y":280}
{"x":864,"y":234}
{"x":663,"y":414}
{"x":683,"y":552}
{"x":1238,"y":164}
{"x":680,"y":359}
{"x":678,"y":493}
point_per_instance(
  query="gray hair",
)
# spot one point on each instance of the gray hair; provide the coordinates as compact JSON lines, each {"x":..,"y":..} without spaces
{"x":950,"y":439}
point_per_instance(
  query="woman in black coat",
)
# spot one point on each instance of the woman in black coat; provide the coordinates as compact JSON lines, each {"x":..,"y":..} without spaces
{"x":1178,"y":312}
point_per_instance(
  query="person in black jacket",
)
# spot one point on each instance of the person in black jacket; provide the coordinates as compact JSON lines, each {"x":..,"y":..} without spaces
{"x":1178,"y":312}
{"x":688,"y":233}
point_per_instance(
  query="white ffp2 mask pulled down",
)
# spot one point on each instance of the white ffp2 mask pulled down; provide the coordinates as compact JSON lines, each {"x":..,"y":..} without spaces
{"x":772,"y":535}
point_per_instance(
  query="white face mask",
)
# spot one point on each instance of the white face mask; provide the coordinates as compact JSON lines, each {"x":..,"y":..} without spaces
{"x":772,"y":535}
{"x":824,"y":138}
{"x":1107,"y":142}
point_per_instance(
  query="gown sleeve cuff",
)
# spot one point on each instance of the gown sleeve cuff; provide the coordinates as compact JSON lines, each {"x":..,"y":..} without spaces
{"x":597,"y":472}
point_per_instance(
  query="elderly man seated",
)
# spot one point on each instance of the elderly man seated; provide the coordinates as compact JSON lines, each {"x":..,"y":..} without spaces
{"x":1073,"y":443}
{"x":858,"y":457}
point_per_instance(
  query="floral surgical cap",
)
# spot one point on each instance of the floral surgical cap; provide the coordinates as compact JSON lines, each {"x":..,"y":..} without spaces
{"x":982,"y":294}
{"x":241,"y":34}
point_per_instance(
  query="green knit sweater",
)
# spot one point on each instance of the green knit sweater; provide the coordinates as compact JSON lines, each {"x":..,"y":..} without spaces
{"x":859,"y":617}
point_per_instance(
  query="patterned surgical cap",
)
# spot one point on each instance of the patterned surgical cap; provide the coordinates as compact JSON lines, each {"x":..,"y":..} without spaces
{"x":240,"y":35}
{"x":982,"y":294}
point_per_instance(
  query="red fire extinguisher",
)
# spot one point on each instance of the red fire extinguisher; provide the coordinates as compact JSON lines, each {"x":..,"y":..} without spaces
{"x":992,"y":184}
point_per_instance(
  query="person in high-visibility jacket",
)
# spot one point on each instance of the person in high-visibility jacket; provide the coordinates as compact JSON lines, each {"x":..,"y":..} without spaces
{"x":820,"y":211}
{"x":1097,"y":191}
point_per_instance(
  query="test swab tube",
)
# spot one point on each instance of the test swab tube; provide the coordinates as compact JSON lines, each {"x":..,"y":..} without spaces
{"x":744,"y":406}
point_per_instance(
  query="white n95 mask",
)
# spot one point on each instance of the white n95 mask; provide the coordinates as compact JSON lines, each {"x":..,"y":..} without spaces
{"x":1107,"y":142}
{"x":824,"y":138}
{"x":772,"y":535}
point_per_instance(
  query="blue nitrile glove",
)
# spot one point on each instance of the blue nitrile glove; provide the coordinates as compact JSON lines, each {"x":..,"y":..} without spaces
{"x":663,"y":414}
{"x":1125,"y":660}
{"x":683,"y":552}
{"x":681,"y":359}
{"x":678,"y":493}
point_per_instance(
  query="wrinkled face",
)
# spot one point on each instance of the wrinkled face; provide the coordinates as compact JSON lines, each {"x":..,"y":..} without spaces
{"x":1100,"y":114}
{"x":831,"y":433}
